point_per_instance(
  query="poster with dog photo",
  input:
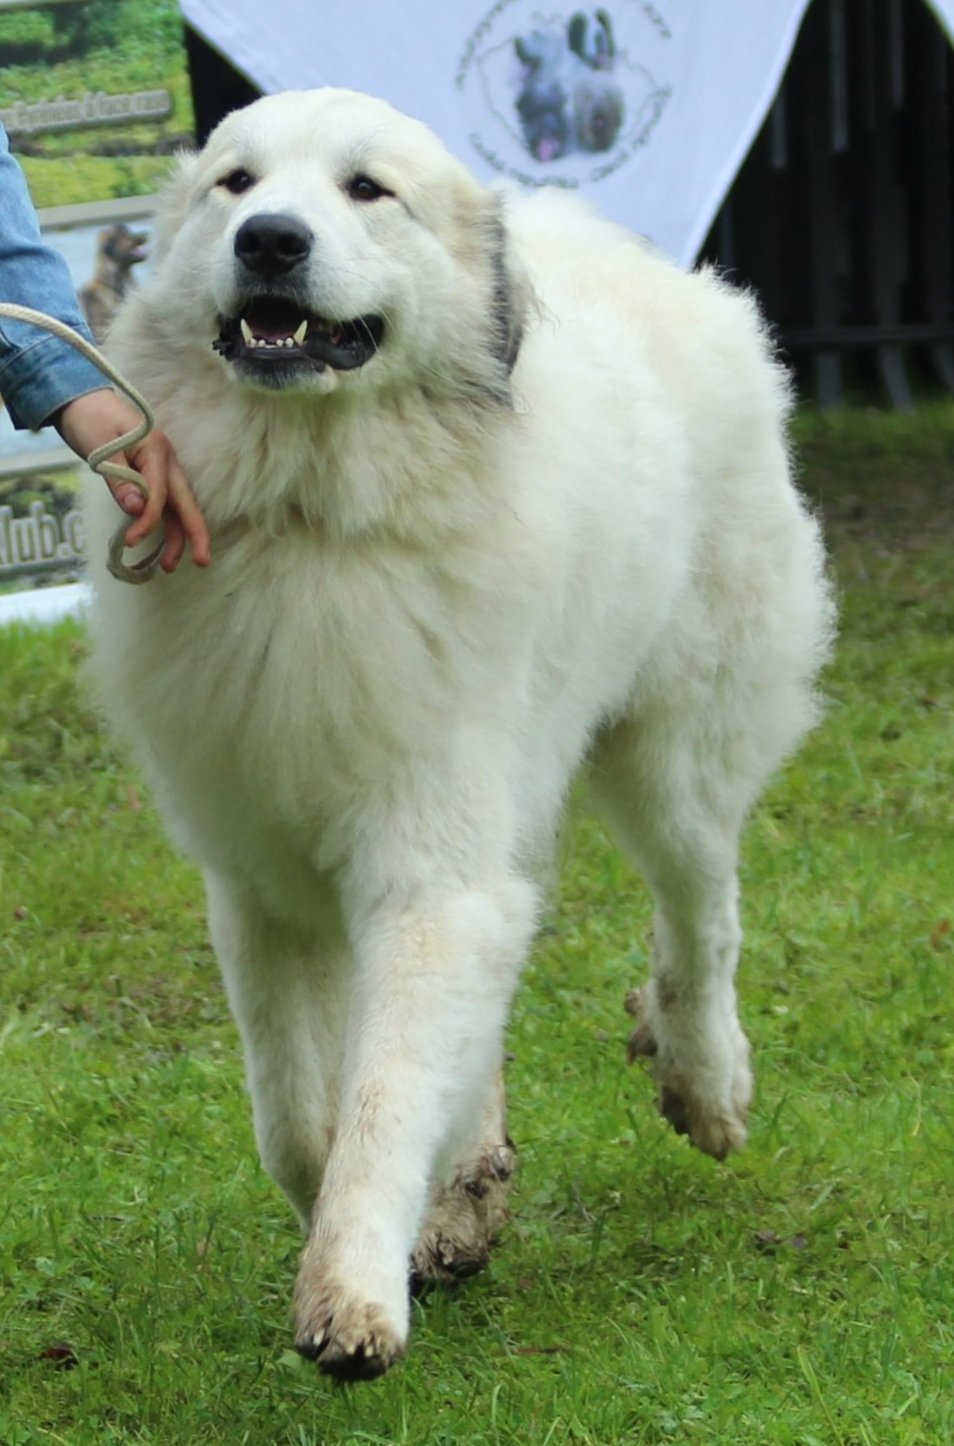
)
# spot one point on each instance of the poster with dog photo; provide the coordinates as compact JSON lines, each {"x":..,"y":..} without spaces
{"x":95,"y":99}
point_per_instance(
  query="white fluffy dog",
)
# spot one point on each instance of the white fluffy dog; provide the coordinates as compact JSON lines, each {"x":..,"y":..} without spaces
{"x":494,"y":492}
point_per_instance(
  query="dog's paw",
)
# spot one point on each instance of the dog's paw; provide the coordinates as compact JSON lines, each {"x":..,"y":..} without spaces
{"x":464,"y":1221}
{"x":642,"y":1042}
{"x":348,"y":1339}
{"x":703,"y":1077}
{"x":715,"y":1125}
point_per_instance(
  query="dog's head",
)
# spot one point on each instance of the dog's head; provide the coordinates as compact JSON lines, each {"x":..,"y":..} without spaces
{"x":322,"y":239}
{"x":123,"y":247}
{"x":598,"y":107}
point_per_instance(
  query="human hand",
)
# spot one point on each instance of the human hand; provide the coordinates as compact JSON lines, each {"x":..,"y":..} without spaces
{"x":98,"y":417}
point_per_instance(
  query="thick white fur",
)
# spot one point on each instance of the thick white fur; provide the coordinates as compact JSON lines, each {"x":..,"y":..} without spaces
{"x":437,"y":590}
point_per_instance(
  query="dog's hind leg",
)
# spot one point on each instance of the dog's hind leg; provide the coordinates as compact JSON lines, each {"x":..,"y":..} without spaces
{"x":284,"y":992}
{"x":713,"y":714}
{"x":468,"y":1206}
{"x":469,"y":1197}
{"x":680,"y":823}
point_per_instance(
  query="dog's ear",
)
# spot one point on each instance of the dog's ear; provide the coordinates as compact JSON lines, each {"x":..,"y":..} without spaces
{"x":606,"y":48}
{"x":524,"y":55}
{"x":510,"y":293}
{"x":576,"y":34}
{"x":174,"y":202}
{"x":493,"y":278}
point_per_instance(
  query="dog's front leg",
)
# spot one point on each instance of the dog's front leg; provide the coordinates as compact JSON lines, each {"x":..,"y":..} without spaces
{"x":286,"y":988}
{"x":434,"y":981}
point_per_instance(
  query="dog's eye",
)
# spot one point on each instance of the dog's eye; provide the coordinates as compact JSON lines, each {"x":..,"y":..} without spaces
{"x":362,"y":188}
{"x":237,"y":181}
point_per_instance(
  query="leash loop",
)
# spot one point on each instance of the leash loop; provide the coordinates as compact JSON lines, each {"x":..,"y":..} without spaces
{"x":97,"y":460}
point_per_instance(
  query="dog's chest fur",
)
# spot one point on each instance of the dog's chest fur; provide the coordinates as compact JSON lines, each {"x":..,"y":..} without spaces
{"x":307,"y":685}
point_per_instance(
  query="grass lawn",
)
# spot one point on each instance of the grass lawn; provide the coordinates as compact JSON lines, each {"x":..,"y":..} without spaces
{"x":800,"y":1293}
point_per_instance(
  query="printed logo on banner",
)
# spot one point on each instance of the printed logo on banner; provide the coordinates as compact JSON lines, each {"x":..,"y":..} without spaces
{"x":564,"y":97}
{"x":41,"y":539}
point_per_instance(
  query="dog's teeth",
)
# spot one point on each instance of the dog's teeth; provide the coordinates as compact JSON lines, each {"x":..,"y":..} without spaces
{"x":246,"y":331}
{"x":300,"y":334}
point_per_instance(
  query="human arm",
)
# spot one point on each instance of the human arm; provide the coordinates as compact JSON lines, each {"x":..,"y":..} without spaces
{"x":39,"y":373}
{"x":43,"y":380}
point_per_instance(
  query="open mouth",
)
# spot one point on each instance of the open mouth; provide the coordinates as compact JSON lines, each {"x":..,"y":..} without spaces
{"x":272,"y":333}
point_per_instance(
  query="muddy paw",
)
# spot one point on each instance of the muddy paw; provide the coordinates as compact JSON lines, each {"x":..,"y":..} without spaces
{"x":350,"y":1341}
{"x":464,"y":1221}
{"x":703,"y":1090}
{"x":642,"y":1042}
{"x":714,"y":1127}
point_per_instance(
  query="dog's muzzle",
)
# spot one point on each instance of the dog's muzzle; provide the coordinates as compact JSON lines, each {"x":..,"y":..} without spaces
{"x":274,"y":334}
{"x":271,"y":337}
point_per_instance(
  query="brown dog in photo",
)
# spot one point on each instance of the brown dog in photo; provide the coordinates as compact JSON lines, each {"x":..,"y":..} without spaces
{"x":118,"y":250}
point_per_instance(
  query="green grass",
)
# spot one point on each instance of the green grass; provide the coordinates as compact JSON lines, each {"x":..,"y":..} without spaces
{"x":801,"y":1293}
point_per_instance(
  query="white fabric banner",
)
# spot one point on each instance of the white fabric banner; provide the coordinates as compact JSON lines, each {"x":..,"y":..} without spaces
{"x":649,"y":108}
{"x":944,"y":10}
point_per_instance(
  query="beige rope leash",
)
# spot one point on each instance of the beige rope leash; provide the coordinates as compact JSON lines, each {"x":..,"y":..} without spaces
{"x":97,"y":461}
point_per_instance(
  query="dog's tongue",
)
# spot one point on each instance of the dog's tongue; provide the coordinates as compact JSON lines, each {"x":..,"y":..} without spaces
{"x":273,"y":321}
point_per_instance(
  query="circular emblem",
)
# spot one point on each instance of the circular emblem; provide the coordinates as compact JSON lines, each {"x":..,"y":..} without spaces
{"x":563,"y":97}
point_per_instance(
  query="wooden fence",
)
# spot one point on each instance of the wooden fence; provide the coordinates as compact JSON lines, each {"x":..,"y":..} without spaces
{"x":842,"y":216}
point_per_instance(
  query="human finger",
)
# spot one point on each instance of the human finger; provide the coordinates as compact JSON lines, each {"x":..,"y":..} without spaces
{"x":174,"y":543}
{"x":182,"y":502}
{"x":128,"y":496}
{"x":152,"y":465}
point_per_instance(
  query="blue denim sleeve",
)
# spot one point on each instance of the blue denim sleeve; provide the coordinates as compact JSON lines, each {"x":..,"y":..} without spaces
{"x":39,"y":373}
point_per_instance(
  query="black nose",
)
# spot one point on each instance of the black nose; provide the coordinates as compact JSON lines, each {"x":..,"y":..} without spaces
{"x":270,"y":245}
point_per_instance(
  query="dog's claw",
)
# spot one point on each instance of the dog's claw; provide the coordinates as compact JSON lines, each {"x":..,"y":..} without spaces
{"x":642,"y":1042}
